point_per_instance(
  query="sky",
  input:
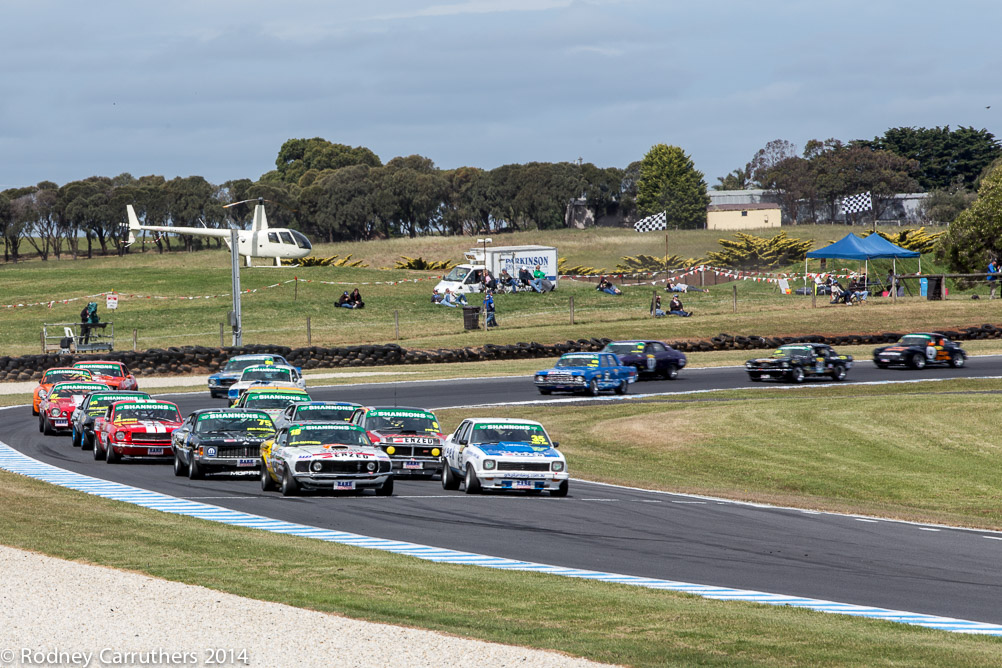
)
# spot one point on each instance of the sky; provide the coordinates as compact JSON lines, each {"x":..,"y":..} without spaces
{"x":213,"y":88}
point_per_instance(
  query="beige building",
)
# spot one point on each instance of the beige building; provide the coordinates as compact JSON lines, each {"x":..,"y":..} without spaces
{"x":742,"y":216}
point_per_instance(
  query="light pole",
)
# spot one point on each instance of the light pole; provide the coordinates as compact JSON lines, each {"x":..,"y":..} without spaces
{"x":235,"y":319}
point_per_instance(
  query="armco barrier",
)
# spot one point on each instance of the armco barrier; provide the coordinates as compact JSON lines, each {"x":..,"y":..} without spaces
{"x":198,"y":359}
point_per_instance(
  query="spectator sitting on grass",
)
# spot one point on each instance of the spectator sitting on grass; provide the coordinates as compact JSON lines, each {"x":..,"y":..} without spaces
{"x":452,"y":299}
{"x":435,"y":297}
{"x":356,"y":299}
{"x":656,"y":309}
{"x":676,"y":308}
{"x":607,"y":287}
{"x":524,"y":277}
{"x":344,"y":301}
{"x":683,"y":287}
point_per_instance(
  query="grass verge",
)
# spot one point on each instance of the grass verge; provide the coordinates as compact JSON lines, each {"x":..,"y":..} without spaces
{"x":604,"y":622}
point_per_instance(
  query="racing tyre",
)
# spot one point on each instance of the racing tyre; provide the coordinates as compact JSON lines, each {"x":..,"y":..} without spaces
{"x":289,"y":485}
{"x":194,"y":471}
{"x":560,"y":491}
{"x":881,"y":365}
{"x":918,"y":361}
{"x":111,"y":456}
{"x":838,"y":373}
{"x":75,"y":436}
{"x":593,"y":388}
{"x":98,"y":450}
{"x":956,"y":360}
{"x":797,"y":375}
{"x":179,"y":468}
{"x":755,"y":377}
{"x":33,"y":411}
{"x":542,"y":391}
{"x":670,"y":372}
{"x":86,"y":441}
{"x":267,"y":484}
{"x":623,"y":387}
{"x":47,"y":427}
{"x":386,"y":489}
{"x":472,"y":482}
{"x":449,"y":479}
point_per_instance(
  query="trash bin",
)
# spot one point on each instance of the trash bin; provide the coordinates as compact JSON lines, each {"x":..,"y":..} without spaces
{"x":471,"y":317}
{"x":935,"y":290}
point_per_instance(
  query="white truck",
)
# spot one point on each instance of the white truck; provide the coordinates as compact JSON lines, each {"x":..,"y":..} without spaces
{"x":467,"y":277}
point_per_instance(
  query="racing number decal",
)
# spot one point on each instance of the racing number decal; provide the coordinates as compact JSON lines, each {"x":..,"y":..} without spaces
{"x":930,"y":352}
{"x":538,"y":439}
{"x":651,"y":362}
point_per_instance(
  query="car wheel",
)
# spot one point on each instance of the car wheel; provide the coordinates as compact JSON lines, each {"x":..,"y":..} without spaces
{"x":214,"y":395}
{"x":386,"y":489}
{"x":957,"y":360}
{"x":838,"y":373}
{"x":111,"y":456}
{"x":670,"y":372}
{"x":755,"y":377}
{"x":449,"y":479}
{"x":593,"y":388}
{"x":542,"y":391}
{"x":194,"y":470}
{"x":98,"y":449}
{"x":623,"y":387}
{"x":560,"y":491}
{"x":75,"y":438}
{"x":881,"y":365}
{"x":267,"y":484}
{"x":86,"y":441}
{"x":33,"y":410}
{"x":472,"y":482}
{"x":289,"y":485}
{"x":179,"y":468}
{"x":797,"y":375}
{"x":918,"y":361}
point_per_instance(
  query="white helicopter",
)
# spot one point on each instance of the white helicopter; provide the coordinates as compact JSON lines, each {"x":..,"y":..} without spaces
{"x":259,"y":241}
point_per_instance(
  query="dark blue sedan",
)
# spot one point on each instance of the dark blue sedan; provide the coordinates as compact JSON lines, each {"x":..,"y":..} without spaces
{"x":652,"y":359}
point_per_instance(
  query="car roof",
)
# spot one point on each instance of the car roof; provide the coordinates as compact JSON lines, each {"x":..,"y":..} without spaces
{"x":253,"y":356}
{"x":326,"y":403}
{"x":260,"y":367}
{"x":84,"y":383}
{"x":635,"y":341}
{"x":313,"y":426}
{"x":503,"y":420}
{"x":397,"y":408}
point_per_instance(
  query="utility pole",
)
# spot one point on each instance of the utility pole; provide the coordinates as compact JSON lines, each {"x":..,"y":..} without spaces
{"x":235,"y":319}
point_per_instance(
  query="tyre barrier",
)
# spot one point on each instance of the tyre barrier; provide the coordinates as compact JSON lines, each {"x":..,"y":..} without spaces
{"x":184,"y":360}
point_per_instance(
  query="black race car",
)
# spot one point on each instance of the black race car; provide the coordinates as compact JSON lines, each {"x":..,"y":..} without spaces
{"x":220,"y":439}
{"x":797,"y":361}
{"x":651,"y":358}
{"x":920,"y":350}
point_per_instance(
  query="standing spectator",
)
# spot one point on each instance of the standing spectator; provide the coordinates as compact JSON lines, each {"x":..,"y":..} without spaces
{"x":993,"y":270}
{"x":676,"y":308}
{"x":344,"y":301}
{"x":88,"y":317}
{"x":538,"y":277}
{"x":356,"y":299}
{"x":490,"y":320}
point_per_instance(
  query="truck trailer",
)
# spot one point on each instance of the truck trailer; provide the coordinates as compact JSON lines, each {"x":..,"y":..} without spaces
{"x":467,"y":277}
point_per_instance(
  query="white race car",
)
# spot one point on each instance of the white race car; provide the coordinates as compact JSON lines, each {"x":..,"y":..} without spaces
{"x":324,"y":455}
{"x":503,"y":454}
{"x":273,"y":375}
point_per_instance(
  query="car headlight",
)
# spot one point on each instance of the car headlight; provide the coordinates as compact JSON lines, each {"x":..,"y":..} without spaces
{"x":786,"y":365}
{"x":748,"y":365}
{"x":435,"y":452}
{"x":390,"y":450}
{"x":42,"y":394}
{"x":53,"y":412}
{"x":371,"y":466}
{"x":489,"y":464}
{"x":120,"y":435}
{"x":316,"y":466}
{"x":557,"y":467}
{"x":540,"y":377}
{"x":579,"y":379}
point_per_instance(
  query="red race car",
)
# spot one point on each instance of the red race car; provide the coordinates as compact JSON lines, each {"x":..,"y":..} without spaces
{"x":114,"y":374}
{"x":136,"y":429}
{"x":57,"y":407}
{"x":57,"y":374}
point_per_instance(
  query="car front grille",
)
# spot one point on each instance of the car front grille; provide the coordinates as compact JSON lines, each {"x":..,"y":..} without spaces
{"x":346,"y":467}
{"x":560,"y":378}
{"x":408,"y":451}
{"x":151,"y":438}
{"x":523,"y":466}
{"x":237,"y":450}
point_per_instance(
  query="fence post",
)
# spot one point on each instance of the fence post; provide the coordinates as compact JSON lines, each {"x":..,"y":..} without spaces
{"x":942,"y":287}
{"x":814,"y":296}
{"x":572,"y":309}
{"x":894,"y":289}
{"x":396,"y":323}
{"x":295,"y":294}
{"x":135,"y":339}
{"x":309,"y":331}
{"x":41,"y":335}
{"x":221,"y":343}
{"x":735,"y":286}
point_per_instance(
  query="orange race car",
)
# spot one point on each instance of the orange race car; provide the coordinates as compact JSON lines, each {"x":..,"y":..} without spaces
{"x":56,"y":374}
{"x":113,"y":374}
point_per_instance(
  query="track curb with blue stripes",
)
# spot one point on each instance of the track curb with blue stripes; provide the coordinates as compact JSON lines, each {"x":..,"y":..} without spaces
{"x":16,"y":462}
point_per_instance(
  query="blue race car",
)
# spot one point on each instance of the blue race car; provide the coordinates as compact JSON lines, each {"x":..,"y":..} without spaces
{"x":651,"y":358}
{"x":219,"y":383}
{"x":586,"y":372}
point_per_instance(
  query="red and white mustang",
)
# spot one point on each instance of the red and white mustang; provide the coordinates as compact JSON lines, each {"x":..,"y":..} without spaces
{"x":113,"y":374}
{"x":136,"y":429}
{"x":57,"y":406}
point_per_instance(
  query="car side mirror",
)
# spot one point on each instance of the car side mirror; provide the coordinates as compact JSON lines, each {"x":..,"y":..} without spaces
{"x":555,"y":444}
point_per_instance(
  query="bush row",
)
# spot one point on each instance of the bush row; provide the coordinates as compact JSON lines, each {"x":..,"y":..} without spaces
{"x":198,"y":359}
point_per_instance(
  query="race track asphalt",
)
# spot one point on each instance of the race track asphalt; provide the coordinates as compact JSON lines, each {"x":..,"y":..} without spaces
{"x":865,"y":561}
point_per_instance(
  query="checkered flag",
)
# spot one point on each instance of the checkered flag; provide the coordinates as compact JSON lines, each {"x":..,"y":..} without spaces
{"x":658,"y":221}
{"x":857,"y":203}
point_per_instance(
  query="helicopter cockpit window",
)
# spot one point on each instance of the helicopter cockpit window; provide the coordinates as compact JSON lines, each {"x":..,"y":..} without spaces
{"x":302,"y":241}
{"x":273,"y":237}
{"x":286,"y":238}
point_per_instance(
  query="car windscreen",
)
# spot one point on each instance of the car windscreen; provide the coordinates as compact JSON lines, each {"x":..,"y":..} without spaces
{"x":275,"y":373}
{"x":104,"y":400}
{"x":112,"y":370}
{"x":146,"y":413}
{"x":624,"y":348}
{"x":240,"y":365}
{"x":512,"y":433}
{"x":321,"y":413}
{"x":401,"y":424}
{"x":577,"y":360}
{"x":272,"y":401}
{"x":258,"y":423}
{"x":324,"y":435}
{"x":915,"y":341}
{"x":792,"y":351}
{"x":60,"y":375}
{"x":457,"y":274}
{"x":68,"y":391}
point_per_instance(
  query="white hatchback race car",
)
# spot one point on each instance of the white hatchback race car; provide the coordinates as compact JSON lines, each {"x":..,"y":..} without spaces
{"x":503,"y":454}
{"x":273,"y":375}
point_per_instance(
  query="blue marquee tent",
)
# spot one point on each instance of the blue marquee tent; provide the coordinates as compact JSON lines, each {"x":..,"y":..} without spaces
{"x":885,"y":249}
{"x":851,"y":247}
